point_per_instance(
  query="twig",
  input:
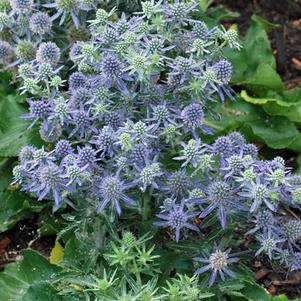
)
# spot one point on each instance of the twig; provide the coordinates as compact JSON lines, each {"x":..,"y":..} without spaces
{"x":285,"y":282}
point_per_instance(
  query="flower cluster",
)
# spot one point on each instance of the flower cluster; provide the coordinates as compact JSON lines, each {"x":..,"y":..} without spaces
{"x":124,"y":124}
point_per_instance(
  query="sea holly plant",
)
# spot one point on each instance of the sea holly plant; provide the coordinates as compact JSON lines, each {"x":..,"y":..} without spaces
{"x":121,"y":108}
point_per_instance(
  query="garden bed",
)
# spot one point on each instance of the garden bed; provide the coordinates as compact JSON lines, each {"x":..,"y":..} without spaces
{"x":151,"y":196}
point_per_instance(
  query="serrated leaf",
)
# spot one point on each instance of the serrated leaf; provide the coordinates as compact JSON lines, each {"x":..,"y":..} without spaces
{"x":205,"y":295}
{"x":57,"y":253}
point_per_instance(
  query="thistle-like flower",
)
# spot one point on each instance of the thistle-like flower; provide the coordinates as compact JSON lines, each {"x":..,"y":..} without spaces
{"x":220,"y":196}
{"x":292,"y":230}
{"x":51,"y":183}
{"x":22,"y":7}
{"x":191,"y":152}
{"x":259,"y":193}
{"x":112,"y":191}
{"x":63,"y":148}
{"x":6,"y":51}
{"x":40,"y":23}
{"x":48,"y":53}
{"x":177,"y":219}
{"x":217,"y":262}
{"x":113,"y":73}
{"x":269,"y":245}
{"x":177,"y":183}
{"x":193,"y":118}
{"x":38,"y":109}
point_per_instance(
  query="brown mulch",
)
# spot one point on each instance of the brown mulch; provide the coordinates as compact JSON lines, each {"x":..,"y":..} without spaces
{"x":286,"y":40}
{"x":276,"y":279}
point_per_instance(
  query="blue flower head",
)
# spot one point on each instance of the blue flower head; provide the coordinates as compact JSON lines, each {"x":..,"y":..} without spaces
{"x":112,"y":192}
{"x":177,"y":219}
{"x":48,"y":52}
{"x":40,"y":23}
{"x":218,"y":263}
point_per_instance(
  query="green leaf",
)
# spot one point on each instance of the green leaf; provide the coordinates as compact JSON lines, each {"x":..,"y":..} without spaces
{"x":281,"y":298}
{"x":254,"y":66}
{"x":255,"y":292}
{"x":28,"y":279}
{"x":257,"y":45}
{"x":41,"y":291}
{"x":276,"y":132}
{"x":14,"y":132}
{"x":15,"y":206}
{"x":6,"y":165}
{"x":287,"y":103}
{"x":264,"y":23}
{"x":292,"y":107}
{"x":265,"y":78}
{"x":57,"y":253}
{"x":262,"y":101}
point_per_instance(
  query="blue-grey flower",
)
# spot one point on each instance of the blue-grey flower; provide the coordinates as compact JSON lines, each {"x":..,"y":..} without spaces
{"x":221,"y":197}
{"x":177,"y":219}
{"x":269,"y":245}
{"x":112,"y":192}
{"x":112,"y":70}
{"x":40,"y":23}
{"x":218,"y":263}
{"x":48,"y":52}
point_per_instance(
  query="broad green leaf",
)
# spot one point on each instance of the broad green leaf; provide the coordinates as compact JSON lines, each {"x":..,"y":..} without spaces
{"x":15,"y":206}
{"x":296,"y":145}
{"x":28,"y":279}
{"x":287,"y":103}
{"x":257,"y":45}
{"x":254,"y":66}
{"x":14,"y":132}
{"x":41,"y":291}
{"x":276,"y":132}
{"x":265,"y":78}
{"x":255,"y":292}
{"x":292,"y":99}
{"x":264,"y":23}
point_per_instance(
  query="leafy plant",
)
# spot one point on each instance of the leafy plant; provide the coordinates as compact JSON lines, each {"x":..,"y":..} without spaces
{"x":270,"y":113}
{"x":154,"y":208}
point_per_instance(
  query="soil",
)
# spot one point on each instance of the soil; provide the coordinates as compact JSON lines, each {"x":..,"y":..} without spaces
{"x":23,"y":235}
{"x":285,"y":40}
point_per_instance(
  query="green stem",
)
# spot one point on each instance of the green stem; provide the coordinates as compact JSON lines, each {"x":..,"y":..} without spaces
{"x":146,"y":204}
{"x":100,"y":232}
{"x":137,"y":273}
